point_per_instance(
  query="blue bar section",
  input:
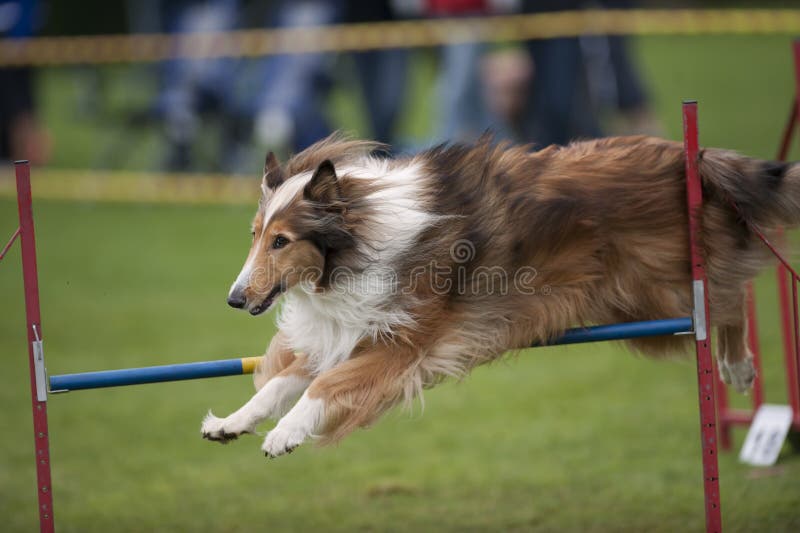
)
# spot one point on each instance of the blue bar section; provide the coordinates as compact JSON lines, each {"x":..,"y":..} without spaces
{"x":151,"y":374}
{"x":626,"y":330}
{"x":233,"y":367}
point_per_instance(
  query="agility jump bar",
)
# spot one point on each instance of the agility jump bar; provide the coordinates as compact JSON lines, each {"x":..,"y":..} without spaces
{"x":247,"y":365}
{"x":153,"y":374}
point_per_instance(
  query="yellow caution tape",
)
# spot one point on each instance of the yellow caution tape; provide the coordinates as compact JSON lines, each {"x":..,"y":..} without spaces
{"x":140,"y":48}
{"x":114,"y":186}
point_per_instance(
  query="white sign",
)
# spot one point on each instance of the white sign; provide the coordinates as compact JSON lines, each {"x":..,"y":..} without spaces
{"x":766,"y":435}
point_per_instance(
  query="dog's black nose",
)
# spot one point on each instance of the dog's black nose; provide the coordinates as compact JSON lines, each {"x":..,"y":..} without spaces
{"x":236,"y":300}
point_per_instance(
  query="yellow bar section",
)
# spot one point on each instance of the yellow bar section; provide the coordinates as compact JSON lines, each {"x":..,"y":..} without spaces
{"x":249,"y":364}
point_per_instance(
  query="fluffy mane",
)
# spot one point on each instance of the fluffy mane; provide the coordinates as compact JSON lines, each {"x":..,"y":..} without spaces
{"x":339,"y":147}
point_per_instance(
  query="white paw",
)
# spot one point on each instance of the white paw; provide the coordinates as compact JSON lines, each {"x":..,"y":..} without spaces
{"x":283,"y":440}
{"x":224,"y":430}
{"x":740,"y":374}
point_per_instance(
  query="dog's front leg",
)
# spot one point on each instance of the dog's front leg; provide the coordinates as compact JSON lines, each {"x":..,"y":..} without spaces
{"x":346,"y":397}
{"x":271,"y":401}
{"x":280,"y":379}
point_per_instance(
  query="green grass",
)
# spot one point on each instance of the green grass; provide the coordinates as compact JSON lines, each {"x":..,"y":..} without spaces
{"x":582,"y":438}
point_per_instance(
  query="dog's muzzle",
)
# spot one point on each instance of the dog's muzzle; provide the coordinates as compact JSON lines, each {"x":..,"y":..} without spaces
{"x":268,"y":301}
{"x":238,"y":301}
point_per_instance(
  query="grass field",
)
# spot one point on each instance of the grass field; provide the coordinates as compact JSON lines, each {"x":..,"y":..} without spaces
{"x":584,"y":438}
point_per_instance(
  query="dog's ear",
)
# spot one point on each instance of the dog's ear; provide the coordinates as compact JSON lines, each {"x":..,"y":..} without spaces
{"x":324,"y":186}
{"x":273,"y":174}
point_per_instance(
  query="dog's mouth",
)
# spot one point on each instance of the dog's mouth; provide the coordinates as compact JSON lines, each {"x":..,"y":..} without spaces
{"x":268,"y":301}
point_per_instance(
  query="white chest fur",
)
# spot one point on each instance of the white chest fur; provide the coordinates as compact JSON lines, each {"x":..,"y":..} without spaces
{"x":328,"y":327}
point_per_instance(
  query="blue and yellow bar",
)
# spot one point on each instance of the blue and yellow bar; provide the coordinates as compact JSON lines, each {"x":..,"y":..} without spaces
{"x":153,"y":374}
{"x":247,"y":365}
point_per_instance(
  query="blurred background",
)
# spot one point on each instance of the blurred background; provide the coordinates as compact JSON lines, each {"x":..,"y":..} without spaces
{"x":145,"y":176}
{"x":196,"y":114}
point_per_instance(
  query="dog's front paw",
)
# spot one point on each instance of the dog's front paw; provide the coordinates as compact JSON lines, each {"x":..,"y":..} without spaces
{"x":282,"y":440}
{"x":223,"y":430}
{"x":740,"y":374}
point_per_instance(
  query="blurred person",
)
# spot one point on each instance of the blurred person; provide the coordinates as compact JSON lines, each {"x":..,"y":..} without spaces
{"x":578,"y":78}
{"x":382,"y":73}
{"x":560,"y":109}
{"x":615,"y":82}
{"x":507,"y":74}
{"x":463,"y":113}
{"x":290,"y":111}
{"x":191,"y":88}
{"x":21,"y":134}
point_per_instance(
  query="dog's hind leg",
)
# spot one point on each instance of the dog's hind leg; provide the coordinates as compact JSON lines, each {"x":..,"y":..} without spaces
{"x":346,"y":397}
{"x":733,"y":357}
{"x":285,"y":377}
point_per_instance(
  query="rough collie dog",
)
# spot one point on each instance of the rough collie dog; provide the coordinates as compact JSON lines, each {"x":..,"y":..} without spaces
{"x":395,"y":274}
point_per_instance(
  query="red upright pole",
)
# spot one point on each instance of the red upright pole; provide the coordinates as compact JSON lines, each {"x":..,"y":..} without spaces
{"x":705,"y":368}
{"x":35,"y":355}
{"x":790,"y":351}
{"x":789,"y":320}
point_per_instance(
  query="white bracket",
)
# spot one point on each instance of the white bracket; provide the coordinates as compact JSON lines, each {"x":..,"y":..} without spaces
{"x":699,"y":311}
{"x":38,"y":367}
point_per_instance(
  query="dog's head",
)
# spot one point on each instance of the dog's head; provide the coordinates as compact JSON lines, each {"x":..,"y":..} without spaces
{"x":299,"y":223}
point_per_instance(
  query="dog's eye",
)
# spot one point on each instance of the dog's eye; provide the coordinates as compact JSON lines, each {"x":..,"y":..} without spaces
{"x":279,"y":242}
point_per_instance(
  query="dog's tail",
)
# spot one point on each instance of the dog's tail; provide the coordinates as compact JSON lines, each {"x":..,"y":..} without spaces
{"x":766,"y":193}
